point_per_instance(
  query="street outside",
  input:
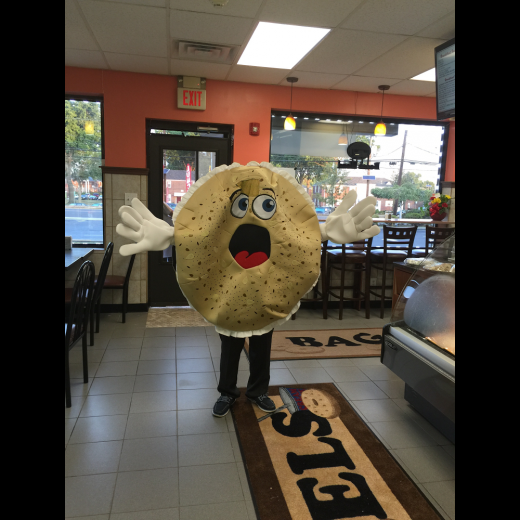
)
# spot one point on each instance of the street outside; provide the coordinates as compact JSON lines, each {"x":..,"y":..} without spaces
{"x":86,"y":224}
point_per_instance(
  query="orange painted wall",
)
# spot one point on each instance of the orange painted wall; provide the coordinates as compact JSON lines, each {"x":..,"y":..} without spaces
{"x":130,"y":99}
{"x":450,"y":157}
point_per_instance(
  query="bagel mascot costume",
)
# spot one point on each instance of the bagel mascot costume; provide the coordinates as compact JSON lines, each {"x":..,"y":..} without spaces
{"x":247,"y":243}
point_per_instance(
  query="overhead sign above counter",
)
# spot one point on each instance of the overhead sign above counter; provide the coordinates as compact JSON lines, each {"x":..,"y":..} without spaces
{"x":191,"y":93}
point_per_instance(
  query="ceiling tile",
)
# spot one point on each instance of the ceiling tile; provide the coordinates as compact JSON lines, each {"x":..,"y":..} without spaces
{"x":232,"y":8}
{"x":256,"y":74}
{"x":413,"y":88}
{"x":315,"y":79}
{"x":398,"y":16}
{"x":87,"y":59}
{"x":208,"y":27}
{"x":128,"y":29}
{"x":364,"y":84}
{"x":199,"y":69}
{"x":133,"y":63}
{"x":344,"y":51}
{"x":154,"y":3}
{"x":413,"y":56}
{"x":443,"y":29}
{"x":77,"y":35}
{"x":325,"y":13}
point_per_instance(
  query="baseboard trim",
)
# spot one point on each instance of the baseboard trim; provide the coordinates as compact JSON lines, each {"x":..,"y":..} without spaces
{"x":118,"y":307}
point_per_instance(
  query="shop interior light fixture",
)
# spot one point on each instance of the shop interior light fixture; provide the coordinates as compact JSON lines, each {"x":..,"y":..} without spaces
{"x":429,"y":75}
{"x":343,"y":138}
{"x":89,"y":127}
{"x":380,"y":128}
{"x":290,"y":123}
{"x":280,"y":46}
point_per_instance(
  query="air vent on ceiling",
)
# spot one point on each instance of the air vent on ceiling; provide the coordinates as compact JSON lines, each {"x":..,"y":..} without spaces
{"x":186,"y":50}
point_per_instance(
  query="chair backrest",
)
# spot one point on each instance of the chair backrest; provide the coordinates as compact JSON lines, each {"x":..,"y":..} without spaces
{"x":129,"y":270}
{"x":436,"y":235}
{"x":103,"y":272}
{"x":399,"y":238}
{"x":80,"y":302}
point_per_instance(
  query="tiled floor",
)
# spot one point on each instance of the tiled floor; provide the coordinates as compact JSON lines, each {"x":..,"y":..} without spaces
{"x":137,"y":448}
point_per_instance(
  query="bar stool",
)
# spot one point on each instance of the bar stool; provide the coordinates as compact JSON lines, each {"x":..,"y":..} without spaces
{"x":319,"y":296}
{"x":397,"y":245}
{"x":434,"y":236}
{"x":352,"y":258}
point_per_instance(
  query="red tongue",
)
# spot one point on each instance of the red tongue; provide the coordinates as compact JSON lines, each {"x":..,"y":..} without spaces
{"x":245,"y":260}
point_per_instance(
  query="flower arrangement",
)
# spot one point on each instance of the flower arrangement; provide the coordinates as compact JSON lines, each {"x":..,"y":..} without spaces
{"x":439,"y":206}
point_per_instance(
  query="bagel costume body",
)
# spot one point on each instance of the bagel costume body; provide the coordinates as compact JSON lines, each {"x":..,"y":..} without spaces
{"x":248,"y":245}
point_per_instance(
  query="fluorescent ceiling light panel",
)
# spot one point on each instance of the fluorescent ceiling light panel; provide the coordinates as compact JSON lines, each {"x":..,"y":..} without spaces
{"x":429,"y":75}
{"x":279,"y":46}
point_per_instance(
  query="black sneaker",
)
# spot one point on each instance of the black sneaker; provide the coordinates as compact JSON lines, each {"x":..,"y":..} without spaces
{"x":264,"y":403}
{"x":222,"y":406}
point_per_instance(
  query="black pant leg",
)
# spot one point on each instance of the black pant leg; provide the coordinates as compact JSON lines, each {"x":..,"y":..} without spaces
{"x":229,"y":358}
{"x":259,"y":364}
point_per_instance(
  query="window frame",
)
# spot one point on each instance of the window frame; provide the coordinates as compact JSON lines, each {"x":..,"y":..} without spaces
{"x":387,"y":120}
{"x":96,"y":99}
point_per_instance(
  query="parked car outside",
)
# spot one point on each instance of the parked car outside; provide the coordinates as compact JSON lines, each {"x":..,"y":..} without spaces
{"x":324,"y":210}
{"x":92,"y":197}
{"x":84,"y":196}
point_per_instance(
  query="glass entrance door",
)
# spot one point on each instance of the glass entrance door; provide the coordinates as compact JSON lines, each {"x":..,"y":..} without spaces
{"x":181,"y":168}
{"x":176,"y":162}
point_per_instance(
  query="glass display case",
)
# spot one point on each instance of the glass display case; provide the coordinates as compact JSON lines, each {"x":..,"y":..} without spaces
{"x":419,"y":342}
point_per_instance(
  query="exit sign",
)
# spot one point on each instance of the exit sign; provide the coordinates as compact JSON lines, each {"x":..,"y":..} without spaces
{"x":191,"y":99}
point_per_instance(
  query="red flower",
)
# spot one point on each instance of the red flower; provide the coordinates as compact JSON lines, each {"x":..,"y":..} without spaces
{"x":444,"y":205}
{"x":432,"y":197}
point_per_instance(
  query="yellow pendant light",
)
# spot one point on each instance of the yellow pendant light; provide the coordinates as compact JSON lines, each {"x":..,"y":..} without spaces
{"x":380,"y":128}
{"x":290,"y":123}
{"x":89,"y":127}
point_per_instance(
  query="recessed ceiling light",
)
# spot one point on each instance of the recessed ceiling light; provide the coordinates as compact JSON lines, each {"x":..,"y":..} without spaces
{"x":305,"y":118}
{"x":429,"y":75}
{"x":280,"y":46}
{"x":316,"y":118}
{"x":350,"y":121}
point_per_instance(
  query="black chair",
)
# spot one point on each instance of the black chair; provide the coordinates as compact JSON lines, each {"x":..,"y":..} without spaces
{"x":120,"y":282}
{"x":397,"y":245}
{"x":100,"y":282}
{"x":434,"y":236}
{"x":319,"y":296}
{"x":77,"y":321}
{"x":352,"y":258}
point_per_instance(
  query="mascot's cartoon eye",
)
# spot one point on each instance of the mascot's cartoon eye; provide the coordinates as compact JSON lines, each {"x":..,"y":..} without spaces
{"x":264,"y":207}
{"x":239,"y":206}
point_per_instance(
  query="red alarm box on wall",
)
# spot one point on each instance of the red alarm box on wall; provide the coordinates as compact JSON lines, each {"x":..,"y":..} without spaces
{"x":254,"y":128}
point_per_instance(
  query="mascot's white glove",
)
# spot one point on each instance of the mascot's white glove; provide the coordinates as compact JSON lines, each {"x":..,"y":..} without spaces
{"x":139,"y":225}
{"x":344,"y":227}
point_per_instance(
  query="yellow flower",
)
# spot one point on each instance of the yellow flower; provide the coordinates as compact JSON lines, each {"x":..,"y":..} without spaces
{"x":438,"y":201}
{"x":448,"y":197}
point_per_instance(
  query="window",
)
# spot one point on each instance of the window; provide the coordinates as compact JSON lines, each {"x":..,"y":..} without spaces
{"x":411,"y":159}
{"x":83,"y":176}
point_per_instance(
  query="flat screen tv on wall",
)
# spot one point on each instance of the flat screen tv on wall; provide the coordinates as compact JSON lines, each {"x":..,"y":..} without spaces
{"x":445,"y":79}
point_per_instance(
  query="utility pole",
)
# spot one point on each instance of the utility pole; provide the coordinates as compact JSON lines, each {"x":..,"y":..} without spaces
{"x":400,"y":176}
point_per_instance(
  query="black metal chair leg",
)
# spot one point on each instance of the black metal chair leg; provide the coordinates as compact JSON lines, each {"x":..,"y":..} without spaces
{"x":383,"y":290}
{"x":367,"y":292}
{"x":98,"y":314}
{"x":125,"y":299}
{"x":68,"y":400}
{"x":91,"y":325}
{"x":85,"y":358}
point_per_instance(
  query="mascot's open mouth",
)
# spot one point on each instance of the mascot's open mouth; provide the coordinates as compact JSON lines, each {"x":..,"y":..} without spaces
{"x":250,"y":245}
